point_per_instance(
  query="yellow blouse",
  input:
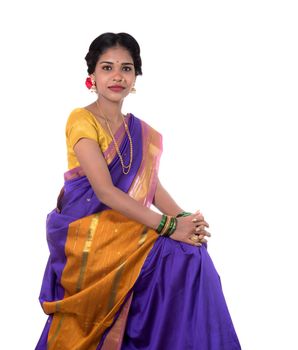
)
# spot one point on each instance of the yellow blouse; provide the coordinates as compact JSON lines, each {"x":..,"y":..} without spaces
{"x":82,"y":124}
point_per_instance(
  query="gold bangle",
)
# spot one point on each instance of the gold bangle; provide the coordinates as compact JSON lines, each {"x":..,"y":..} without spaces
{"x":166,"y":226}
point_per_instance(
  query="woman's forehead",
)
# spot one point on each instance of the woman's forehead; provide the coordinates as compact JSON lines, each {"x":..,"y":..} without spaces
{"x":116,"y":54}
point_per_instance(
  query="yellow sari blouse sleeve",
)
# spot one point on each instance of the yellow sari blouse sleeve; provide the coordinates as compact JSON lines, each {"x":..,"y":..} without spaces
{"x":80,"y":124}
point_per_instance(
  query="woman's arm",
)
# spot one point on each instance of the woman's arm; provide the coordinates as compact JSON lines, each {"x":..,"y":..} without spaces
{"x":94,"y":165}
{"x":164,"y":202}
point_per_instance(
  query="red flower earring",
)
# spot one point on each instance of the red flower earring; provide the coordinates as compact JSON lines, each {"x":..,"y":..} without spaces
{"x":90,"y":83}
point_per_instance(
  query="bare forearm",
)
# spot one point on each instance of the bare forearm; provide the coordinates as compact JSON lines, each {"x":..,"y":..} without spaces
{"x":94,"y":165}
{"x":164,"y":202}
{"x":124,"y":204}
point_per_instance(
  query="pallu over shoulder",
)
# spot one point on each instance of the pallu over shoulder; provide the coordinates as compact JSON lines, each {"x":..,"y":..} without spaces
{"x":96,"y":253}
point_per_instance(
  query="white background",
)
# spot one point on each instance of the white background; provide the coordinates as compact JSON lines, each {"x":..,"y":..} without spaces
{"x":220,"y":83}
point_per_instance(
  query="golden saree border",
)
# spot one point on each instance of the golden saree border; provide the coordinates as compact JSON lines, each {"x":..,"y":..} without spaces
{"x":113,"y":341}
{"x":105,"y":253}
{"x":73,"y":173}
{"x":144,"y":185}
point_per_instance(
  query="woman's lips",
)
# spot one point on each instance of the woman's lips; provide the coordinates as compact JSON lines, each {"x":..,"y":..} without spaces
{"x":116,"y":88}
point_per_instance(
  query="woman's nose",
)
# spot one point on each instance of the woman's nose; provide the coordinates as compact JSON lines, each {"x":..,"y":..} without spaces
{"x":118,"y":77}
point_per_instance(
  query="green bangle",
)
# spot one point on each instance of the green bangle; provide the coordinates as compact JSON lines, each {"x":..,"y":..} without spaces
{"x":171,"y":224}
{"x":166,"y":226}
{"x":173,"y":227}
{"x":183,"y":214}
{"x":162,"y":223}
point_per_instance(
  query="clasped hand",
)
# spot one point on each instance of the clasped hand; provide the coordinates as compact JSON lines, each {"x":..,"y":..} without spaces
{"x":191,"y":229}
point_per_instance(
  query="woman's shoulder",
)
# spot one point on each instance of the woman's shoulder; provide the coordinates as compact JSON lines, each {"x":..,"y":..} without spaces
{"x":80,"y":116}
{"x":80,"y":113}
{"x":80,"y":123}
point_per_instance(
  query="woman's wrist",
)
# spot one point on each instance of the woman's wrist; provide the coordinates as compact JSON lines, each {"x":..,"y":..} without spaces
{"x":167,"y":225}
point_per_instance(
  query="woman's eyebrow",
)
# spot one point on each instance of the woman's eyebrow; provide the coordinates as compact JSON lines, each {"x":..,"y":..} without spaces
{"x":125,"y":63}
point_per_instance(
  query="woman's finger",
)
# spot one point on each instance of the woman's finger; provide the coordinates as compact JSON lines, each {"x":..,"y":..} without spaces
{"x":202,"y":238}
{"x":198,"y":215}
{"x":200,"y":229}
{"x":200,"y":222}
{"x":204,"y":233}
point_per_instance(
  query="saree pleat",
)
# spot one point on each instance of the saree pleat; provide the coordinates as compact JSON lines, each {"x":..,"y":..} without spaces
{"x":178,"y":302}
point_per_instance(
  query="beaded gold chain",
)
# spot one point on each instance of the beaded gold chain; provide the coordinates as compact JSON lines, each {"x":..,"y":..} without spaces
{"x":125,"y":168}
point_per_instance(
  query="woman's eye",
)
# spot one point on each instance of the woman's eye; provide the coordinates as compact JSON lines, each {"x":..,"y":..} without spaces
{"x":126,"y":68}
{"x":106,"y":67}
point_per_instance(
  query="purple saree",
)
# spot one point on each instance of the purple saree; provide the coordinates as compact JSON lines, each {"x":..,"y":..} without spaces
{"x":111,"y":283}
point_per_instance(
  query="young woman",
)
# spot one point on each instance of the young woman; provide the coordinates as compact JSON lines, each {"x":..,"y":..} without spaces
{"x":120,"y":275}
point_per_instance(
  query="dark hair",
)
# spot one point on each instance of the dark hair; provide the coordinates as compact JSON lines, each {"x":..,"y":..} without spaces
{"x":108,"y":40}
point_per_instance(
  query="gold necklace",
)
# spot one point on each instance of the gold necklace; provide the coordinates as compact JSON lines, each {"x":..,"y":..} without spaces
{"x":125,"y":168}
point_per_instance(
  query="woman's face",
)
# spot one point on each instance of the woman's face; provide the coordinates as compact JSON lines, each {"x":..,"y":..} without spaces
{"x":114,"y":74}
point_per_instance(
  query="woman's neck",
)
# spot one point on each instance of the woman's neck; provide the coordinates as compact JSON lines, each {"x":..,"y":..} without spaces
{"x":110,"y":110}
